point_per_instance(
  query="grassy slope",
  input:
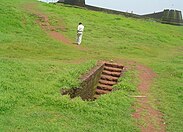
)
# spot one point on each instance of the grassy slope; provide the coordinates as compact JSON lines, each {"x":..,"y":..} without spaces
{"x":33,"y":67}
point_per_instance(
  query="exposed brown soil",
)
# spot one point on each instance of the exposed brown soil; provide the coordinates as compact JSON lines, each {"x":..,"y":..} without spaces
{"x":151,"y":120}
{"x":44,"y":22}
{"x":148,"y":118}
{"x":59,"y":37}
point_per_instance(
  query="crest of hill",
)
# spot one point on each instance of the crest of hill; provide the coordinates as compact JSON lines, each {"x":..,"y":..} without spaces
{"x":167,"y":16}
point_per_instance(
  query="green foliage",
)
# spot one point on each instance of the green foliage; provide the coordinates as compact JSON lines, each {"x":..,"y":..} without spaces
{"x":70,"y":79}
{"x":168,"y":90}
{"x":34,"y":67}
{"x":128,"y":82}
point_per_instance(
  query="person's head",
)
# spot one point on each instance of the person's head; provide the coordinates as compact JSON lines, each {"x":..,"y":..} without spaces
{"x":80,"y":23}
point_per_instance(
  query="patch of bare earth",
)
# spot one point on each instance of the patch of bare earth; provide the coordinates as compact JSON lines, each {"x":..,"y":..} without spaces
{"x":149,"y":119}
{"x":44,"y":22}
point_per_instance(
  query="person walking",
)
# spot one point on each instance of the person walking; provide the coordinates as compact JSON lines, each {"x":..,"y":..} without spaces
{"x":80,"y":33}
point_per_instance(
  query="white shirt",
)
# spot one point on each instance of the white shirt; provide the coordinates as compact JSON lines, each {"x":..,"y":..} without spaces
{"x":81,"y":28}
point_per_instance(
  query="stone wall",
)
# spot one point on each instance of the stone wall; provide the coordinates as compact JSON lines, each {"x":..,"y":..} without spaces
{"x":73,"y":2}
{"x":157,"y":15}
{"x":167,"y":16}
{"x":88,"y":84}
{"x":172,"y":17}
{"x":94,"y":8}
{"x":82,"y":4}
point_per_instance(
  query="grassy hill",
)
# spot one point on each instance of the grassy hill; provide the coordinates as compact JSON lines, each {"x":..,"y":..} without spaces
{"x":34,"y":67}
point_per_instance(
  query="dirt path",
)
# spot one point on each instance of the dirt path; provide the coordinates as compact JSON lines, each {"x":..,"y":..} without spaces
{"x":149,"y":119}
{"x":44,"y":22}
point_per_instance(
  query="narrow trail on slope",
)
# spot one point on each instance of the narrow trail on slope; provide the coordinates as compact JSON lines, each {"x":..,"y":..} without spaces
{"x":44,"y":22}
{"x":152,"y":119}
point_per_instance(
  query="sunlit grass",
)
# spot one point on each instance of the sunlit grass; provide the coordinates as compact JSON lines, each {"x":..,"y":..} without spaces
{"x":34,"y":67}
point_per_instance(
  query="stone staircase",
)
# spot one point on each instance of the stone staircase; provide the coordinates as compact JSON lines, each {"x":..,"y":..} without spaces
{"x":109,"y":77}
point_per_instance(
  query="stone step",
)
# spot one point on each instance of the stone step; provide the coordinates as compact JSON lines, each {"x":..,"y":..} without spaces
{"x":110,"y":83}
{"x":114,"y":65}
{"x":96,"y":96}
{"x":114,"y":74}
{"x":100,"y":91}
{"x":104,"y":87}
{"x":111,"y":69}
{"x":110,"y":78}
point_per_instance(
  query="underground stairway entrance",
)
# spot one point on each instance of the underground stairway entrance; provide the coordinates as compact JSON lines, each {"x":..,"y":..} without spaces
{"x":97,"y":82}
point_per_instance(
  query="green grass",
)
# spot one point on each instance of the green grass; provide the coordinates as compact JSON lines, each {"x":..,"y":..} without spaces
{"x":34,"y":67}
